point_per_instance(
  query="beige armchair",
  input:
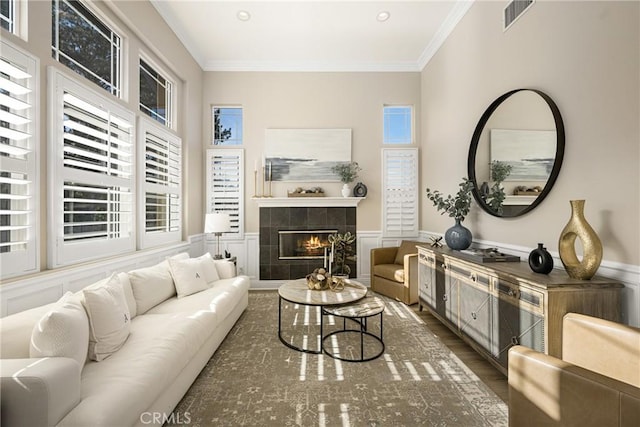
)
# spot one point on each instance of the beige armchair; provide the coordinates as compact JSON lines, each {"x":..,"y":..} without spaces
{"x":597,"y":382}
{"x":394,"y":271}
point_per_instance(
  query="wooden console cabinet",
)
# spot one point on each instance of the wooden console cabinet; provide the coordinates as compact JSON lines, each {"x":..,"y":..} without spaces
{"x":494,"y":306}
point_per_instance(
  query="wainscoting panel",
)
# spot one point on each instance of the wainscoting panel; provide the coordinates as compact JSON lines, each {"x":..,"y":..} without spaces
{"x":31,"y":296}
{"x":49,"y":286}
{"x":246,"y":252}
{"x":367,"y":240}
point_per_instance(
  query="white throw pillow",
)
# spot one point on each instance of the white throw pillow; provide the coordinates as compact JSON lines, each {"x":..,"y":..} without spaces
{"x":62,"y":332}
{"x":210,"y":271}
{"x":188,"y":276}
{"x":151,"y":286}
{"x":123,"y":278}
{"x":109,"y":319}
{"x":226,"y":269}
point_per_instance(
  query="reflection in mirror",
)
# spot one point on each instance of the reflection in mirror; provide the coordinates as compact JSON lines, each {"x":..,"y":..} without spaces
{"x":516,"y":152}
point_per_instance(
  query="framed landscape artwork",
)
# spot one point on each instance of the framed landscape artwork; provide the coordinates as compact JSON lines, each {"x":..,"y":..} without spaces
{"x":531,"y":153}
{"x":306,"y":155}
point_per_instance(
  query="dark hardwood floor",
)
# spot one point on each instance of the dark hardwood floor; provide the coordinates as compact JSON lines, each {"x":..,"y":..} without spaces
{"x":493,"y":378}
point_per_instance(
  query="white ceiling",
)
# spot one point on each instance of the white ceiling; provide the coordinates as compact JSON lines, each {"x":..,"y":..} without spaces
{"x":303,"y":35}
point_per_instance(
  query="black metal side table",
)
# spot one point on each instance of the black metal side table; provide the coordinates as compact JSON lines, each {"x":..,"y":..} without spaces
{"x":358,"y":312}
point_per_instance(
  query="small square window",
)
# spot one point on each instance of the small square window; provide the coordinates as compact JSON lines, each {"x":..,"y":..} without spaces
{"x":398,"y":125}
{"x":227,"y":125}
{"x":156,"y":93}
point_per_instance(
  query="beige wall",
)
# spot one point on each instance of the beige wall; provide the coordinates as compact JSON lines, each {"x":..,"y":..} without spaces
{"x":313,"y":100}
{"x":140,"y":25}
{"x":585,"y":55}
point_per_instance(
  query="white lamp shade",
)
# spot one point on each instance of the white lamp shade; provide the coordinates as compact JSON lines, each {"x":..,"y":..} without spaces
{"x":217,"y":223}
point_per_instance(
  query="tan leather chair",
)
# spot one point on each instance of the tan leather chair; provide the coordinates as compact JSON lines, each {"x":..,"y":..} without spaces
{"x":597,"y":382}
{"x":394,"y":271}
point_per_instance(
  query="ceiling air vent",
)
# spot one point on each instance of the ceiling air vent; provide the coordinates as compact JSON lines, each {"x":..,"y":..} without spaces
{"x":514,"y":10}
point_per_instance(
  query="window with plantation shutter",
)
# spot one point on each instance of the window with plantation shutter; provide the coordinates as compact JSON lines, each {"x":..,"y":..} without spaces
{"x":225,"y":187}
{"x":91,"y":167}
{"x":160,"y":166}
{"x":400,"y":192}
{"x":18,"y":162}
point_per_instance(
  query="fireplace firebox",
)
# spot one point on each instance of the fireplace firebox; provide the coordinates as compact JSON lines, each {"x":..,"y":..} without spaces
{"x":301,"y":219}
{"x":303,"y":244}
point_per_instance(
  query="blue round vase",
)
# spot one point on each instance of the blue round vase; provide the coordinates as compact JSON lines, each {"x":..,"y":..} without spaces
{"x":458,"y":237}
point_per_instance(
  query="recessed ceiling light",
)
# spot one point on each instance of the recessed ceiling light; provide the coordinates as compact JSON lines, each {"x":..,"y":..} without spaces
{"x":243,"y":15}
{"x":383,"y":16}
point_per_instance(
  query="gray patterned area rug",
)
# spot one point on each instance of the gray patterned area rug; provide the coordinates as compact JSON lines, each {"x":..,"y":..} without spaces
{"x":253,"y":379}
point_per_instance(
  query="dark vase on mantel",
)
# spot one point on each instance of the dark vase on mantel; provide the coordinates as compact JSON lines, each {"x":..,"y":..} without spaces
{"x":458,"y":237}
{"x":540,"y":260}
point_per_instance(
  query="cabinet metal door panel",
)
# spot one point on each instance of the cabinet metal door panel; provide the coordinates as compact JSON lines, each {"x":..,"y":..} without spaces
{"x":513,"y":325}
{"x":475,"y":314}
{"x":440,"y":288}
{"x":427,"y":278}
{"x":451,"y":298}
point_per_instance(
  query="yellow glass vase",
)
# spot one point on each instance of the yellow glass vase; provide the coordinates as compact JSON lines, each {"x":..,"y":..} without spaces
{"x":579,"y":228}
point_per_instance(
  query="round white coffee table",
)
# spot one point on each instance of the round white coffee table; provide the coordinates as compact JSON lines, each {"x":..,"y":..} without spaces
{"x":297,"y":292}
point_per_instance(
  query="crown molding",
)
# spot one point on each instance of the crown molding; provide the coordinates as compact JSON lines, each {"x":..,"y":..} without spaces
{"x":312,"y":66}
{"x":162,"y":7}
{"x":457,"y":13}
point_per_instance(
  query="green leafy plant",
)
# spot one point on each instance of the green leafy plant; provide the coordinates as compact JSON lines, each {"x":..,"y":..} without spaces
{"x":343,"y":251}
{"x":457,"y":206}
{"x":499,"y":172}
{"x":347,"y":172}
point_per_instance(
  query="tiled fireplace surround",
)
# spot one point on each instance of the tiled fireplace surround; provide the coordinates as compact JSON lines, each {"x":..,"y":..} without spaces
{"x":275,"y":219}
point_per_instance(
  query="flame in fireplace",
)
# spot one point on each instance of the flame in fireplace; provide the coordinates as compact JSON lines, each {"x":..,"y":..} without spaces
{"x":312,"y":243}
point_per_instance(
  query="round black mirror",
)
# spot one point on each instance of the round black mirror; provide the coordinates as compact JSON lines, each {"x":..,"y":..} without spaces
{"x":516,"y":152}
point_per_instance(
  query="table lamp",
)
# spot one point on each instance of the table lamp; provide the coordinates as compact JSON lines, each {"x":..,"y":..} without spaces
{"x":217,"y":223}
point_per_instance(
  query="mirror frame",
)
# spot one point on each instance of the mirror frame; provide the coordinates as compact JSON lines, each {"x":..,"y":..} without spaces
{"x":560,"y":142}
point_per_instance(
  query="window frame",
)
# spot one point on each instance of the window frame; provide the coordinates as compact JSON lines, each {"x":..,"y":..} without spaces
{"x":170,"y":92}
{"x":150,"y":239}
{"x":384,"y":128}
{"x":116,"y":90}
{"x":61,"y":253}
{"x":16,"y":263}
{"x":213,"y":121}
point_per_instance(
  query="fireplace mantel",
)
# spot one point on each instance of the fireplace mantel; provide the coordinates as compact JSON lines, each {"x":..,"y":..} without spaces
{"x":326,"y":202}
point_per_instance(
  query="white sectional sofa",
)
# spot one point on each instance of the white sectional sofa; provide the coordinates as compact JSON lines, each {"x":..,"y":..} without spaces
{"x":169,"y":335}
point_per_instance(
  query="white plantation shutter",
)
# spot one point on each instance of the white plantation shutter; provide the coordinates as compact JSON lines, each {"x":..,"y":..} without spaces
{"x":400,"y":192}
{"x":225,"y":187}
{"x":92,"y":174}
{"x":160,"y":166}
{"x":18,"y":162}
